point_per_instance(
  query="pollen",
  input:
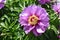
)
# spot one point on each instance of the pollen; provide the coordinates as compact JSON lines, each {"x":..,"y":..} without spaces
{"x":33,"y":20}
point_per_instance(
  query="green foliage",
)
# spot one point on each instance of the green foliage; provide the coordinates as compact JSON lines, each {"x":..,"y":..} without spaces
{"x":10,"y":29}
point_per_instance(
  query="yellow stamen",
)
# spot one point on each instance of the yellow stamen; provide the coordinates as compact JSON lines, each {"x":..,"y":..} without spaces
{"x":33,"y":20}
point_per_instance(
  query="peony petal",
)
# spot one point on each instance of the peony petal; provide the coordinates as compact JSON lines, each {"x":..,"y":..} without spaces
{"x":23,"y":23}
{"x":38,"y":12}
{"x":35,"y":32}
{"x":43,"y":25}
{"x":44,"y":17}
{"x":39,"y":30}
{"x":33,"y":9}
{"x":42,"y":14}
{"x":3,"y":1}
{"x":28,"y":29}
{"x":23,"y":18}
{"x":1,"y":5}
{"x":0,"y":0}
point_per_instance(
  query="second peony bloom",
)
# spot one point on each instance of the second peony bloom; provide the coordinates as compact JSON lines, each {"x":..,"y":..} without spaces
{"x":34,"y":19}
{"x":43,"y":1}
{"x":56,"y":8}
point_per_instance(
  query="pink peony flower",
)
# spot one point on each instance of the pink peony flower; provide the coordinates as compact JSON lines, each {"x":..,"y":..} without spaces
{"x":34,"y":19}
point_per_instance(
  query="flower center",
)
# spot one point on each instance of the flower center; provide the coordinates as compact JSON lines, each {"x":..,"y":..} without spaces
{"x":33,"y":20}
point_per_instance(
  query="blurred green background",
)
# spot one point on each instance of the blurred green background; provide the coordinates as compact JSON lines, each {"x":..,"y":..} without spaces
{"x":10,"y":29}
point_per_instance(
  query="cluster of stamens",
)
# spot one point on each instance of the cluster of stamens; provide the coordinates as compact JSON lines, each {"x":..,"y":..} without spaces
{"x":33,"y":20}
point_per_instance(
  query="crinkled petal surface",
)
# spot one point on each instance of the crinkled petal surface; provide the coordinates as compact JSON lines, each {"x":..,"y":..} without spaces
{"x":35,"y":32}
{"x":27,"y":29}
{"x":41,"y":27}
